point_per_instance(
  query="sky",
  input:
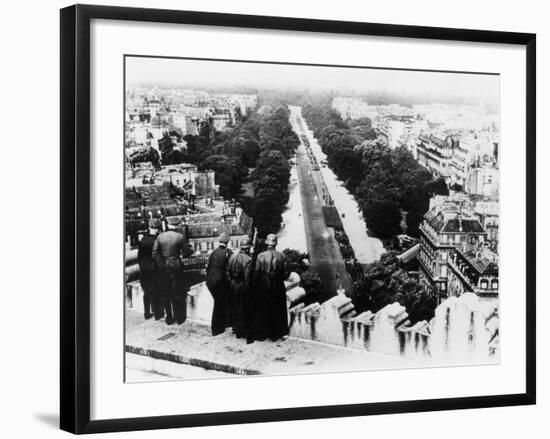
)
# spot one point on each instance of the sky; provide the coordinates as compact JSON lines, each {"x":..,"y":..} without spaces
{"x":186,"y":73}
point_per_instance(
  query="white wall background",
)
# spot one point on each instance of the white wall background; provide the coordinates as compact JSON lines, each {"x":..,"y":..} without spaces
{"x":30,"y":204}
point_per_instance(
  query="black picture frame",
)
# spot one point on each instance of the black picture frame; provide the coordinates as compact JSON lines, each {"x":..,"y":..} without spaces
{"x":75,"y":217}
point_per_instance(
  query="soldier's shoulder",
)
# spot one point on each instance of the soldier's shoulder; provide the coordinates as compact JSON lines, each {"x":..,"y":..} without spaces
{"x":218,"y":252}
{"x":244,"y":256}
{"x":265,"y":256}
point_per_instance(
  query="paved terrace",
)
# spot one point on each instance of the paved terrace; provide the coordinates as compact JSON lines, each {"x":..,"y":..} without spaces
{"x":169,"y":350}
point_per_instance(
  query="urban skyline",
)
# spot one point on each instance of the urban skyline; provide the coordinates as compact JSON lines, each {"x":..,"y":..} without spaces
{"x":418,"y":84}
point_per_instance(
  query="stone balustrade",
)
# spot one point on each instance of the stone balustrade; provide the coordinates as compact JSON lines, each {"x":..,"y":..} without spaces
{"x":464,"y":329}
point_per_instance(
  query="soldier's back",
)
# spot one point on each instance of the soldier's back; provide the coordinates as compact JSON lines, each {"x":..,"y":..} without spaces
{"x":237,"y":264}
{"x":145,"y":253}
{"x":170,"y":243}
{"x":270,"y":261}
{"x":215,"y":271}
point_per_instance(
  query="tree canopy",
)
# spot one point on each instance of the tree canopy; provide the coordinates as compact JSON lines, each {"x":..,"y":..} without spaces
{"x":385,"y":282}
{"x":229,"y":174}
{"x":387,"y":183}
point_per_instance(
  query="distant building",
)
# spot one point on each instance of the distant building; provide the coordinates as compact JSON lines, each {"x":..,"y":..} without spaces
{"x":205,"y":184}
{"x":352,"y":108}
{"x":482,"y":180}
{"x":473,"y":270}
{"x":203,"y":229}
{"x":454,"y":253}
{"x":182,"y":176}
{"x":192,"y":126}
{"x":487,"y":209}
{"x":435,"y":152}
{"x":459,"y":166}
{"x":222,"y":120}
{"x":447,"y":156}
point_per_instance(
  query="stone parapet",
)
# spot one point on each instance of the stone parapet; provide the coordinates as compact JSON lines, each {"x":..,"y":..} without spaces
{"x":464,"y":329}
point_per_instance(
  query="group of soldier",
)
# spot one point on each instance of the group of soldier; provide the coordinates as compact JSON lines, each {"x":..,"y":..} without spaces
{"x":248,"y":289}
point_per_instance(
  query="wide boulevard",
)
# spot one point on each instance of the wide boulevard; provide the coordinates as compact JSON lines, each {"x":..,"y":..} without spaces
{"x":323,"y":248}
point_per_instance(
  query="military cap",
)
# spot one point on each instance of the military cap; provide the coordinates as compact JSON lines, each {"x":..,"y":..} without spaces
{"x":224,"y":238}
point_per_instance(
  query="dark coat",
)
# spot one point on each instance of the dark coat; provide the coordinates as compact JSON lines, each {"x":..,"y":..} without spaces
{"x":168,"y":248}
{"x":148,"y":269}
{"x":269,"y":307}
{"x":239,"y":273}
{"x":145,"y":254}
{"x":217,"y":283}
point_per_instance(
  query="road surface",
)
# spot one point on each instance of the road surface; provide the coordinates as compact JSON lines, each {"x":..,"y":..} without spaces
{"x":366,"y":248}
{"x":324,"y":251}
{"x":293,"y":234}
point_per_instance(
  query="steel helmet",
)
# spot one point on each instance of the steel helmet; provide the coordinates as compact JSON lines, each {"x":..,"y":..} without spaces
{"x":271,"y":239}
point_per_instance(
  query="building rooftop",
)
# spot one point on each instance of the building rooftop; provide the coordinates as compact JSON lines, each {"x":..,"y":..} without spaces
{"x":453,"y":221}
{"x":483,"y":261}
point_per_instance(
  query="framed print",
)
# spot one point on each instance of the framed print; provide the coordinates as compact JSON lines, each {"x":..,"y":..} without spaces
{"x":284,"y":218}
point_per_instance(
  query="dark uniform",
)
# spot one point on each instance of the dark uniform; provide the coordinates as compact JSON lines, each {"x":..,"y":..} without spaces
{"x":168,"y":249}
{"x":269,"y":308}
{"x":239,"y":272}
{"x":149,"y":278}
{"x":217,"y":283}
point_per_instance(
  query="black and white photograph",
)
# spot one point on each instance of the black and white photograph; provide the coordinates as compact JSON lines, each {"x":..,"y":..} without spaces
{"x":244,"y":219}
{"x":286,"y":218}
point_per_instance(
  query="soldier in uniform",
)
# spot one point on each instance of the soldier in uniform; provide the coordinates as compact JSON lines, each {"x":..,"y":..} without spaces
{"x":269,"y":313}
{"x":239,"y":271}
{"x":170,"y":246}
{"x":216,"y":281}
{"x":148,"y":272}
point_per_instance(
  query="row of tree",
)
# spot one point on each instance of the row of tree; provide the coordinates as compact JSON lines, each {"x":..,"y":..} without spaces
{"x":387,"y":183}
{"x":271,"y":175}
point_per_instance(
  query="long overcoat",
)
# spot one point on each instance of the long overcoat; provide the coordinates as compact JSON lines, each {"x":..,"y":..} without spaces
{"x":239,"y":271}
{"x":216,"y":281}
{"x":269,"y":307}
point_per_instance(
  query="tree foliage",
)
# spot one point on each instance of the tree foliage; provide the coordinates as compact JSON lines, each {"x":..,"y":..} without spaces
{"x":229,"y":174}
{"x":145,"y":155}
{"x":271,"y":176}
{"x":386,"y":182}
{"x":295,"y":260}
{"x":315,"y":290}
{"x":385,"y":283}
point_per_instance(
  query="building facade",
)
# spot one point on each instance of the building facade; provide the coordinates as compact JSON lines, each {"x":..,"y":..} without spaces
{"x":454,"y":254}
{"x":435,"y":152}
